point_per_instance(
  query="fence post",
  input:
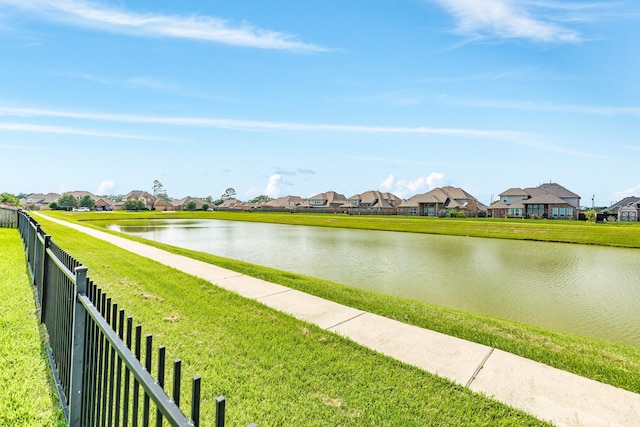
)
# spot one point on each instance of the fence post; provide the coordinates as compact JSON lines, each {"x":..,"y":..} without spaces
{"x":42,"y":286}
{"x":77,"y":349}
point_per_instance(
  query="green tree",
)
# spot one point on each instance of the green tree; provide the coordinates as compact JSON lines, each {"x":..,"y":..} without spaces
{"x":87,"y":202}
{"x":191,"y":206}
{"x":53,"y":206}
{"x":590,"y":215}
{"x":205,"y":206}
{"x":67,"y":202}
{"x":134,"y":205}
{"x":229,"y":193}
{"x":158,"y":188}
{"x":9,"y":199}
{"x":263,"y":198}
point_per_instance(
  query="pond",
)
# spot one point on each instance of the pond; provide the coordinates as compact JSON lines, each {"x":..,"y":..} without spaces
{"x":587,"y":290}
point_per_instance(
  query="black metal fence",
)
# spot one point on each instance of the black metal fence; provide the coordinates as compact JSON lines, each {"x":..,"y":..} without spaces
{"x":96,"y":352}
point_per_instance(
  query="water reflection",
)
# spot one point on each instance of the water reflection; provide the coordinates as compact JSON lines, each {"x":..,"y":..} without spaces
{"x":586,"y":290}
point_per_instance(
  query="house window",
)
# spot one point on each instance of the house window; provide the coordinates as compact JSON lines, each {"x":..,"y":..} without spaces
{"x":535,"y":209}
{"x":570,"y":212}
{"x":562,"y":212}
{"x":555,"y":212}
{"x":505,"y":200}
{"x":413,"y":211}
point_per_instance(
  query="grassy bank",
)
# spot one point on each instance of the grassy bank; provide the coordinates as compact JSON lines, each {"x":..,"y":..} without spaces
{"x":607,"y":362}
{"x":273,"y":369}
{"x":607,"y":234}
{"x":27,"y":394}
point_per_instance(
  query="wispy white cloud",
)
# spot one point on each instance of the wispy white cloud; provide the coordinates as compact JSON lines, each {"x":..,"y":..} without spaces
{"x":22,"y":127}
{"x":252,"y":125}
{"x":99,"y":16}
{"x":505,"y":136}
{"x":602,"y":110}
{"x":404,"y":188}
{"x":538,"y":21}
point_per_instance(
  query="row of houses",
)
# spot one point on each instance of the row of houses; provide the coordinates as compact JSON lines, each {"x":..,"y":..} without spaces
{"x":43,"y":201}
{"x":549,"y":200}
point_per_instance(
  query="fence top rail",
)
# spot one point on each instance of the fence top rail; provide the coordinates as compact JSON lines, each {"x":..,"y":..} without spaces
{"x":167,"y":406}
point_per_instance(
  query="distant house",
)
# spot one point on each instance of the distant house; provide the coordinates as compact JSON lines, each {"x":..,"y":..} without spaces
{"x":439,"y":201}
{"x":545,"y":201}
{"x":629,"y":212}
{"x":162,"y":205}
{"x":142,"y":196}
{"x":626,"y":210}
{"x":181,"y":205}
{"x":329,"y":201}
{"x":626,"y":204}
{"x":283,"y":203}
{"x":230,"y":204}
{"x":79,"y":195}
{"x":38,"y":201}
{"x":103,"y":204}
{"x":373,"y":202}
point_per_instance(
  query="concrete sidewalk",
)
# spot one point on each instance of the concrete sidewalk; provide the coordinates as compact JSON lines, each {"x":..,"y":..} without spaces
{"x":547,"y":393}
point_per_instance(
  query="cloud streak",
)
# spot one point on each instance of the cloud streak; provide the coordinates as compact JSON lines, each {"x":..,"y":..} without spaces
{"x":65,"y":130}
{"x":96,"y":16}
{"x":253,"y":125}
{"x":538,"y":21}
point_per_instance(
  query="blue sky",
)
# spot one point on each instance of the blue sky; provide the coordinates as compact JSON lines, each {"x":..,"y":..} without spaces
{"x":297,"y":98}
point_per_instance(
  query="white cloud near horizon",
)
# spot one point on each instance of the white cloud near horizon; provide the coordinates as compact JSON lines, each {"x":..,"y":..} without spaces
{"x":404,"y":188}
{"x":538,"y":21}
{"x":629,"y":192}
{"x":273,"y":187}
{"x":106,"y":187}
{"x":99,"y":16}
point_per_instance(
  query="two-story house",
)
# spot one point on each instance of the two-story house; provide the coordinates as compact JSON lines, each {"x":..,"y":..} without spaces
{"x":549,"y":200}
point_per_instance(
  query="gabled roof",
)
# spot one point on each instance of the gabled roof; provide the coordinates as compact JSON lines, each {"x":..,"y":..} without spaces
{"x":285,"y":201}
{"x":375,"y":198}
{"x":81,"y":194}
{"x":514,"y":192}
{"x":185,"y":200}
{"x":544,"y":199}
{"x":229,"y":203}
{"x":43,"y":198}
{"x":449,"y":197}
{"x":557,"y":190}
{"x":330,"y":198}
{"x":442,"y":194}
{"x":137,"y":194}
{"x":104,"y":202}
{"x":623,"y":202}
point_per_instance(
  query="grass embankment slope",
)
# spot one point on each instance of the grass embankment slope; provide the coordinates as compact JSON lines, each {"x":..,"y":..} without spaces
{"x":273,"y":369}
{"x":605,"y":234}
{"x":608,"y":362}
{"x":27,"y":394}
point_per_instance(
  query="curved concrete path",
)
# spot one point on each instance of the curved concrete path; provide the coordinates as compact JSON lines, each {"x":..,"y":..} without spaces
{"x":547,"y":393}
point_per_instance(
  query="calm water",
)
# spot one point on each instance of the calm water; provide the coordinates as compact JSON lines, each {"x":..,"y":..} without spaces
{"x":586,"y":290}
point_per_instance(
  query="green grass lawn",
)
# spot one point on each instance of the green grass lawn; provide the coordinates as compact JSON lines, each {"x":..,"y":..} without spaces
{"x":608,"y":362}
{"x":273,"y":369}
{"x":27,"y":394}
{"x":607,"y":234}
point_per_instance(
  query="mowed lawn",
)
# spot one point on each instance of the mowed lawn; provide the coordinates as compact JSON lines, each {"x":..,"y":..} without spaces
{"x":27,"y":394}
{"x":273,"y":369}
